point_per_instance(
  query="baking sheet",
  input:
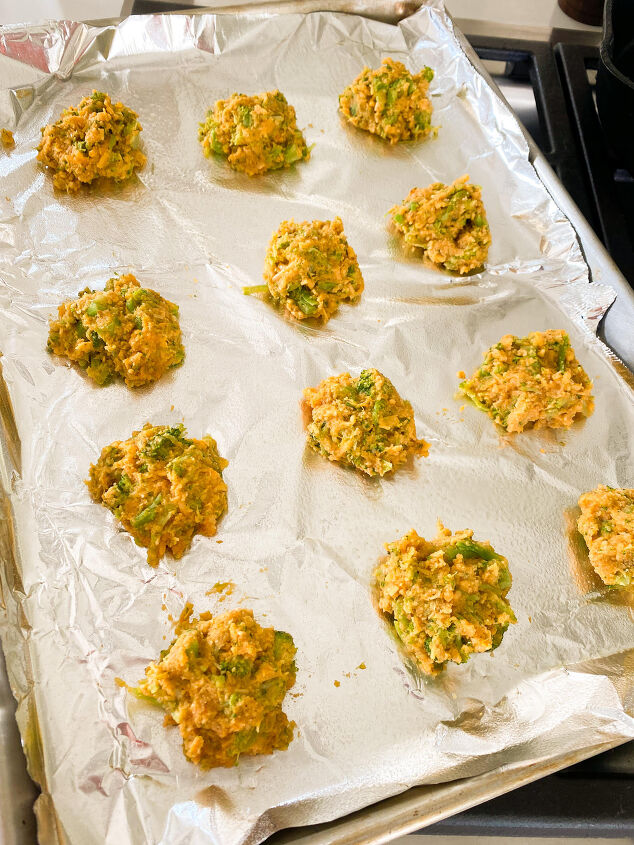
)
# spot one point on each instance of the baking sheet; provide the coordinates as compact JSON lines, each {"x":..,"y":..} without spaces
{"x":301,"y":536}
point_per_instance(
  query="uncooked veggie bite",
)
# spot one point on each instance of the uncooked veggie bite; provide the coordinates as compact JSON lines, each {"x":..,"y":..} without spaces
{"x":223,"y":681}
{"x":533,"y":381}
{"x":96,"y":139}
{"x":446,"y":598}
{"x":162,"y":486}
{"x":446,"y":225}
{"x":362,"y":422}
{"x":125,"y":330}
{"x":311,"y":269}
{"x":390,"y":102}
{"x":255,"y":134}
{"x":607,"y":526}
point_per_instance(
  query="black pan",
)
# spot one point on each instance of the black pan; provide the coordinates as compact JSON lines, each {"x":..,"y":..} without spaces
{"x":615,"y":81}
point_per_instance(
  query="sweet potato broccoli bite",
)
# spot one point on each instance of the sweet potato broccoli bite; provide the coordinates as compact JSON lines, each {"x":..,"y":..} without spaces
{"x":531,"y":381}
{"x":163,"y":487}
{"x":95,"y":139}
{"x":223,"y":682}
{"x":390,"y":102}
{"x":446,"y":224}
{"x":446,"y":598}
{"x":362,"y":422}
{"x":311,"y":269}
{"x":607,"y":526}
{"x":255,"y":134}
{"x":124,"y":330}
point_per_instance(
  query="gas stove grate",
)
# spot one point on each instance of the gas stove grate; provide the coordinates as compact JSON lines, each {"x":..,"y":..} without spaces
{"x":570,"y":135}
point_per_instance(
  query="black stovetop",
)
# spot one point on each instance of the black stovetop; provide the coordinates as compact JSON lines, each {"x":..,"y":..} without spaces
{"x":567,"y":130}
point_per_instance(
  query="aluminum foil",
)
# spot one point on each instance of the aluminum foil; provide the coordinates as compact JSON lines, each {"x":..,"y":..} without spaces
{"x":301,"y":536}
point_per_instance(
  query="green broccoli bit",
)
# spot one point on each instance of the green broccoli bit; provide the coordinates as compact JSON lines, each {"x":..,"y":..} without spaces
{"x":193,"y":650}
{"x":244,"y":115}
{"x":422,"y":119}
{"x":234,"y":699}
{"x":148,"y":514}
{"x":136,"y":692}
{"x":398,"y":218}
{"x":392,"y":93}
{"x":497,"y":636}
{"x":365,"y":383}
{"x":305,"y":301}
{"x":161,"y":445}
{"x":138,"y":296}
{"x":282,"y":644}
{"x":111,"y":455}
{"x":239,"y":666}
{"x":428,"y":73}
{"x":292,"y":153}
{"x":272,"y":690}
{"x":377,"y":410}
{"x":124,"y":484}
{"x":561,"y":355}
{"x":469,"y":549}
{"x":243,"y":740}
{"x":216,"y":146}
{"x":402,"y":622}
{"x":504,"y":580}
{"x":100,"y":371}
{"x":470,"y":394}
{"x":250,"y":289}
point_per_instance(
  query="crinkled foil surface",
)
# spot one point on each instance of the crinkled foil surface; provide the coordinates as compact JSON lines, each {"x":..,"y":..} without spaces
{"x":301,"y":536}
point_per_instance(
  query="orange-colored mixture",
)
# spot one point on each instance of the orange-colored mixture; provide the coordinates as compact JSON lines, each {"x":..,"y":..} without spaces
{"x":531,"y":381}
{"x":446,"y":225}
{"x":223,"y":681}
{"x":255,"y":134}
{"x":446,"y":597}
{"x":362,"y":422}
{"x":162,"y":486}
{"x":311,"y":268}
{"x":607,"y":525}
{"x":96,"y":139}
{"x":390,"y":102}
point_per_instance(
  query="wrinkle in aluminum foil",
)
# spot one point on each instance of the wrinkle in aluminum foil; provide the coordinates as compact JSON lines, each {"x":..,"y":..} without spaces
{"x":301,"y":536}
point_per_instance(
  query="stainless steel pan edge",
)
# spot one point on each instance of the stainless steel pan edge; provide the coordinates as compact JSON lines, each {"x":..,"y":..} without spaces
{"x":422,"y":806}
